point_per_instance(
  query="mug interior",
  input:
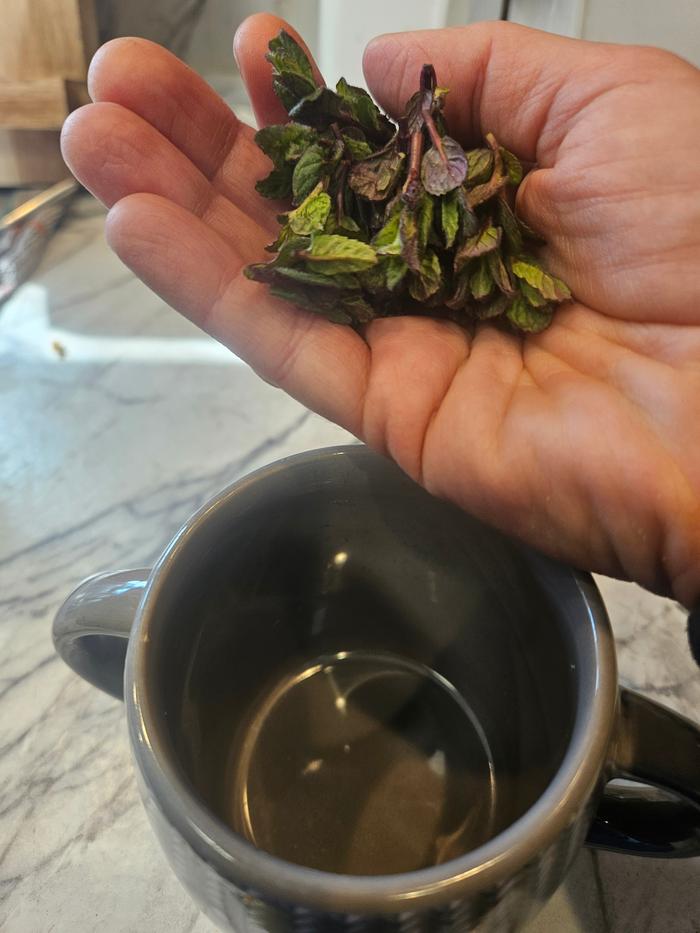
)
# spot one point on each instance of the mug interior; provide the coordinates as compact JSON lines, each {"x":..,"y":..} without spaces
{"x":344,"y":559}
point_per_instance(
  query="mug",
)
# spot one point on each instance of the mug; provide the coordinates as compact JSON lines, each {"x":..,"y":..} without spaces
{"x":351,"y":706}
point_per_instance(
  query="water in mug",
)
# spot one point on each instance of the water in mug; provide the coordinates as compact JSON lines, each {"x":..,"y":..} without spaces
{"x":364,"y":764}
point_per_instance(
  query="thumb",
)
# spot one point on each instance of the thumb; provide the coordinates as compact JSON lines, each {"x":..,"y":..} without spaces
{"x":521,"y":84}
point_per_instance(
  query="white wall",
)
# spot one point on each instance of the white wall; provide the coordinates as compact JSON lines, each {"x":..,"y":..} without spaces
{"x":671,"y":24}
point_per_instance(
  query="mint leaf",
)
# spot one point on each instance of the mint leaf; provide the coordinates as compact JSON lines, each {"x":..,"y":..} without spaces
{"x":323,"y":107}
{"x":428,"y":279}
{"x":480,"y":162}
{"x":492,"y":308}
{"x":408,"y":231}
{"x":549,"y":286}
{"x":531,"y":295}
{"x":311,"y":215}
{"x":487,"y":239}
{"x":424,"y":213}
{"x":460,"y":296}
{"x":499,"y":272}
{"x":480,"y":281}
{"x":277,"y":185}
{"x":331,"y":254}
{"x":285,"y":142}
{"x":361,"y":108}
{"x":320,"y":301}
{"x":449,"y":218}
{"x":509,"y":223}
{"x":292,"y":75}
{"x":387,"y":242}
{"x":526,"y":318}
{"x":376,"y":178}
{"x":395,"y":269}
{"x":443,"y":171}
{"x":347,"y":280}
{"x":308,"y":171}
{"x":356,"y":144}
{"x":514,"y":169}
{"x":485,"y":192}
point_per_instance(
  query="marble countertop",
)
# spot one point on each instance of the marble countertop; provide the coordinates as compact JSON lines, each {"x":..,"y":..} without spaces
{"x":118,"y":420}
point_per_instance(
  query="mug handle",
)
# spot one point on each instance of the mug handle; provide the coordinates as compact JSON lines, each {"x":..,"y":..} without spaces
{"x":659,"y":815}
{"x":92,"y":627}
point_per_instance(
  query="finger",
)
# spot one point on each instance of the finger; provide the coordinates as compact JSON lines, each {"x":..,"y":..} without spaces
{"x":250,"y":47}
{"x":150,"y":81}
{"x":115,"y":153}
{"x":520,"y":84}
{"x":197,"y":272}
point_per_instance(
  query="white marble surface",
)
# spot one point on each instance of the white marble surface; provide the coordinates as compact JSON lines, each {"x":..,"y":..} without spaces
{"x":103,"y":452}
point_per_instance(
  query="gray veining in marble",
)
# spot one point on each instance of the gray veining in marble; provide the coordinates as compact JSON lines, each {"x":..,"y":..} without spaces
{"x":103,"y":452}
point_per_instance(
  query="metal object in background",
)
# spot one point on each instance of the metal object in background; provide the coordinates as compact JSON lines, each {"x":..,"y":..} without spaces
{"x":25,"y":231}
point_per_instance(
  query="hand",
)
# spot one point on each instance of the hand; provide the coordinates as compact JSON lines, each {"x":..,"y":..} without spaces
{"x":583,"y":441}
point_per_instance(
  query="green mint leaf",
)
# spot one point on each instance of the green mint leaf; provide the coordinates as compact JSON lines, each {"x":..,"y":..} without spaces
{"x":311,"y":215}
{"x":308,"y":171}
{"x":376,"y":178}
{"x":509,"y":223}
{"x":290,"y":89}
{"x":487,"y":239}
{"x":526,"y":318}
{"x":320,"y":301}
{"x":387,"y":242}
{"x":324,"y":107}
{"x":345,"y":226}
{"x":443,"y":171}
{"x":320,"y":108}
{"x":346,"y":281}
{"x":449,"y":218}
{"x":277,"y":272}
{"x":514,"y":169}
{"x":292,"y":75}
{"x":480,"y":162}
{"x":493,"y":308}
{"x":549,"y":286}
{"x":340,"y":307}
{"x":287,"y":56}
{"x":531,"y":294}
{"x":499,"y":272}
{"x":277,"y":185}
{"x":358,"y":308}
{"x":331,"y":254}
{"x":288,"y":246}
{"x":385,"y":276}
{"x":356,"y":144}
{"x":395,"y":269}
{"x":480,"y":281}
{"x":363,"y":110}
{"x":428,"y":279}
{"x":285,"y":142}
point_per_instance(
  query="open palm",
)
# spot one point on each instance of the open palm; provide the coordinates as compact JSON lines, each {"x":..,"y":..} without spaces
{"x":583,"y":441}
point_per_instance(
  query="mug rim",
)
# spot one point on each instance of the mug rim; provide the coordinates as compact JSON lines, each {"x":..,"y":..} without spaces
{"x":246,"y":866}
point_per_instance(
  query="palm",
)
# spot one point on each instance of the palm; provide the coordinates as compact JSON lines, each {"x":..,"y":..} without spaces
{"x":582,"y":441}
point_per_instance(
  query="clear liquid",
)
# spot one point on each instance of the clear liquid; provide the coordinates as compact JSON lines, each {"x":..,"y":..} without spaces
{"x":362,"y":764}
